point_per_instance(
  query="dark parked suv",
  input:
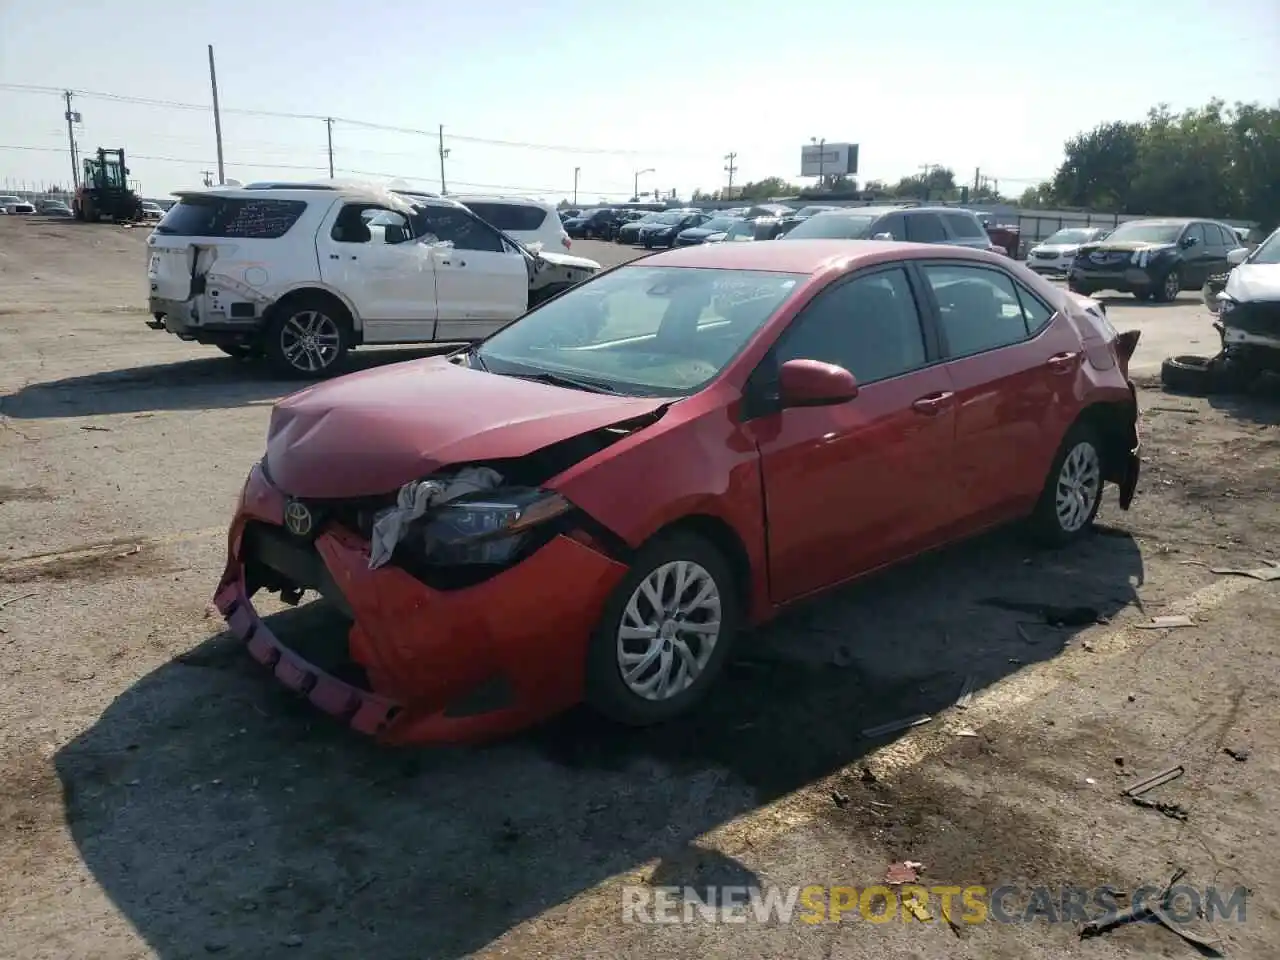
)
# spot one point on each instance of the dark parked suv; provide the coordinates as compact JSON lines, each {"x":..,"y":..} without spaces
{"x":914,"y":224}
{"x":1153,"y":259}
{"x":599,"y":222}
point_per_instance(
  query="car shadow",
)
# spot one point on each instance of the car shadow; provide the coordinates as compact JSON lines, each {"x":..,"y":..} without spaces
{"x":208,"y":383}
{"x":1258,"y":403}
{"x":219,"y":813}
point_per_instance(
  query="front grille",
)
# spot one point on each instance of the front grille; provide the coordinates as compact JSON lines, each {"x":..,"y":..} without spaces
{"x":1044,"y":255}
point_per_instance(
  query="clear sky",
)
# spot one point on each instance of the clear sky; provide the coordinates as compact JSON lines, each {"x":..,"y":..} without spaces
{"x":609,"y":87}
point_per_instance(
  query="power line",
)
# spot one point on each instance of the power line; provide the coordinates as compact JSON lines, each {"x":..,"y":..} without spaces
{"x":364,"y":124}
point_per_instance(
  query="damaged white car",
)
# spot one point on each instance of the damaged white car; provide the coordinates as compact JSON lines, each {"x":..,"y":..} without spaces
{"x":302,"y":273}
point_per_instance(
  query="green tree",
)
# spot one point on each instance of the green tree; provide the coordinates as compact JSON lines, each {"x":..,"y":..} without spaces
{"x":766,"y":189}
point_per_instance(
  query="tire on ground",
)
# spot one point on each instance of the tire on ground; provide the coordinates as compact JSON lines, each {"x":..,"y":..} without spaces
{"x":606,"y":690}
{"x":1192,"y":374}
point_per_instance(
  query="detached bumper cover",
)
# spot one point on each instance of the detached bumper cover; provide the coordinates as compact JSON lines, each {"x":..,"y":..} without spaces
{"x":1133,"y":464}
{"x":430,"y":655}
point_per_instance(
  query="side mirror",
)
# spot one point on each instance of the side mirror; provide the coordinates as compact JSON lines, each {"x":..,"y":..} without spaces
{"x":1188,"y":242}
{"x":882,"y":236}
{"x":1237,"y":256}
{"x":812,"y":383}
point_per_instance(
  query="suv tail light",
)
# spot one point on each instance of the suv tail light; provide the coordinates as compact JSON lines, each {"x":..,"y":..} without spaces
{"x":566,"y":241}
{"x":1126,"y":344}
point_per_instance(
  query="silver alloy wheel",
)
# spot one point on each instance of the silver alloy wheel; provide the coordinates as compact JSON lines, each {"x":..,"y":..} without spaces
{"x":669,"y":628}
{"x":310,"y":341}
{"x":1079,"y":486}
{"x":1171,"y":285}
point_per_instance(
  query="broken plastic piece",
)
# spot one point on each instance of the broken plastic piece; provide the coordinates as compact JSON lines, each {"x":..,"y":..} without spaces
{"x":905,"y":872}
{"x":1266,"y":574}
{"x":1163,"y":623}
{"x":895,"y":725}
{"x":1155,"y":780}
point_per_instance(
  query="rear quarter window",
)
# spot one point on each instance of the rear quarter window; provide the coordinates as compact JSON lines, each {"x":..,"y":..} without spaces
{"x":509,"y":216}
{"x":249,"y":219}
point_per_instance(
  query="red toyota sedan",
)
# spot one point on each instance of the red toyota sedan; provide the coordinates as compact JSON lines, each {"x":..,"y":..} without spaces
{"x":591,"y":503}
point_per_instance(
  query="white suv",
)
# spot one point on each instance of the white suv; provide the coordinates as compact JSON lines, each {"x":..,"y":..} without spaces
{"x":301,"y":273}
{"x":529,"y":221}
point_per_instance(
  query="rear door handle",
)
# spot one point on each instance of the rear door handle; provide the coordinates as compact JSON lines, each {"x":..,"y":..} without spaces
{"x":1062,"y":362}
{"x":933,"y":404}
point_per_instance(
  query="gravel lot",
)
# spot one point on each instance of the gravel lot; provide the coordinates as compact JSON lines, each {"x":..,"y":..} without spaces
{"x":162,"y":797}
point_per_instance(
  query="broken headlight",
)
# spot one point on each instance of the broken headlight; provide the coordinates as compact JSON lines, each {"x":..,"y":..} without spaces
{"x":483,"y":528}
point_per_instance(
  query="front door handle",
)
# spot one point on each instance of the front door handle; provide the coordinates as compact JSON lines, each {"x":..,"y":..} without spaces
{"x":933,"y":404}
{"x":1062,"y":362}
{"x":333,"y":256}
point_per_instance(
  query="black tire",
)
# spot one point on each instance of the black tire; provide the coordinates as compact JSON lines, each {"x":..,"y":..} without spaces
{"x":1169,"y":287}
{"x":288,"y":318}
{"x":1079,"y":288}
{"x":1047,"y":525}
{"x":606,"y":690}
{"x":1200,"y":376}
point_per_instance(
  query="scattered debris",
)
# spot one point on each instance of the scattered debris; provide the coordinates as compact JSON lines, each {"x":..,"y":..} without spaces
{"x":1174,"y":811}
{"x":1164,"y":623}
{"x":136,"y":548}
{"x":966,"y":732}
{"x":1090,"y":781}
{"x":97,"y":429}
{"x":840,"y":799}
{"x":1087,"y":646}
{"x":966,"y":693}
{"x":908,"y":871}
{"x":866,"y":775}
{"x":1266,"y":574}
{"x":894,"y":726}
{"x":1155,"y":780}
{"x":1022,"y":632}
{"x":1015,"y":661}
{"x":1054,"y":616}
{"x":1206,"y":946}
{"x":293,"y":940}
{"x":1237,"y":753}
{"x":25,"y":596}
{"x":1150,"y":908}
{"x":1132,"y":698}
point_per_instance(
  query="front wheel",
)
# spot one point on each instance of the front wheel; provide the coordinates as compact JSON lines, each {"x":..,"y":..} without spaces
{"x":1168,"y":290}
{"x":1072,"y":492}
{"x":665,"y":633}
{"x":307,"y":338}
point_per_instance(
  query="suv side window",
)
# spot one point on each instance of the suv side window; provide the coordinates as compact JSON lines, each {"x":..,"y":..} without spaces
{"x":925,"y":228}
{"x":979,"y":308}
{"x":894,"y":224}
{"x":869,"y":325}
{"x":1229,"y":239}
{"x":1197,"y":230}
{"x":352,"y":223}
{"x":964,"y":225}
{"x":509,"y":216}
{"x":464,"y":231}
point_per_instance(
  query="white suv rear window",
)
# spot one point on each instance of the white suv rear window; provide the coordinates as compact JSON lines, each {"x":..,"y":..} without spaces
{"x":250,"y":219}
{"x":509,"y":216}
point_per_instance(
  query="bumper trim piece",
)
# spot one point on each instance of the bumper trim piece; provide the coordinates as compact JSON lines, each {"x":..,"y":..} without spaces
{"x":363,"y":711}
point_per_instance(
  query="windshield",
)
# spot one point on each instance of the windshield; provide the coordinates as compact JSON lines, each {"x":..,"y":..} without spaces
{"x":1136,"y":231}
{"x":1269,"y":251}
{"x":809,"y":211}
{"x":588,"y":213}
{"x":832,"y":226}
{"x":742,"y":230}
{"x":642,"y":330}
{"x":1070,"y":235}
{"x":667,"y":217}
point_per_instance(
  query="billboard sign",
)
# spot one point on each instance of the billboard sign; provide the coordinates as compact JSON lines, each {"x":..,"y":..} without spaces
{"x":830,"y":159}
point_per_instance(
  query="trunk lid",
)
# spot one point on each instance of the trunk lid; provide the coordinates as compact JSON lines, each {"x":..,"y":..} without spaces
{"x":369,"y":433}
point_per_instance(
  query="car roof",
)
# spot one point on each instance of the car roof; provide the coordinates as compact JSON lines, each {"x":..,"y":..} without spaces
{"x":862,"y":211}
{"x":806,"y":256}
{"x":1170,"y":221}
{"x":493,"y":198}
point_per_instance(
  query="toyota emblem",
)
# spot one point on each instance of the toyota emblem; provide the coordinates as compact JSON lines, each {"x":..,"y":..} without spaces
{"x":297,"y":518}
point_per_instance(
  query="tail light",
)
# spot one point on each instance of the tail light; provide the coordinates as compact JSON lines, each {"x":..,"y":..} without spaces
{"x":566,"y":241}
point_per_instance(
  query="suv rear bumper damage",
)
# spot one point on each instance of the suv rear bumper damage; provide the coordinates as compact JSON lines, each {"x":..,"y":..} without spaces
{"x":434,"y":665}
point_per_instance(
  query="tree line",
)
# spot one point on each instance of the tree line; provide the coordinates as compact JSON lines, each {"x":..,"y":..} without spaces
{"x":1210,"y":161}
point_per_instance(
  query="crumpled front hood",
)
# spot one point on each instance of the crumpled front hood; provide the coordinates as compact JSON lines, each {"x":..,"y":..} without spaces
{"x":569,"y":260}
{"x":1132,"y":245}
{"x":1251,"y":282}
{"x":371,"y":432}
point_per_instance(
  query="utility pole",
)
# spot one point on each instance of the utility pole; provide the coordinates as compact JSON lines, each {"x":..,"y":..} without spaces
{"x":72,"y":117}
{"x":576,"y":171}
{"x":977,"y":179}
{"x":822,"y":159}
{"x":443,"y":153}
{"x":328,"y":125}
{"x":731,"y":168}
{"x":217,"y":116}
{"x":635,"y":191}
{"x":208,"y":177}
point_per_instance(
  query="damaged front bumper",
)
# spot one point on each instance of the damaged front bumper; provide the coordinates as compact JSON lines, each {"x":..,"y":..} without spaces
{"x":436,"y":665}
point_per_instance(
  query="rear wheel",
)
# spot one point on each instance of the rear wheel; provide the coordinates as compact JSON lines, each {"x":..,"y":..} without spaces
{"x":1072,"y":492}
{"x":307,"y":337}
{"x":665,"y":633}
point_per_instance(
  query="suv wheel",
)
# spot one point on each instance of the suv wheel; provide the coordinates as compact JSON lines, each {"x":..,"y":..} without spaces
{"x":1072,"y":492}
{"x":1167,"y":292}
{"x":307,"y":337}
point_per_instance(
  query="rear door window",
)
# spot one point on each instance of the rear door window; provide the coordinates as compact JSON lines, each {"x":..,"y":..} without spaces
{"x":509,"y":216}
{"x":895,"y":224}
{"x":925,"y":228}
{"x":232,"y":217}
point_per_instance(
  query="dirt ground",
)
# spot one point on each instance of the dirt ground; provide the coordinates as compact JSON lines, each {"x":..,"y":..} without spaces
{"x":161,"y":796}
